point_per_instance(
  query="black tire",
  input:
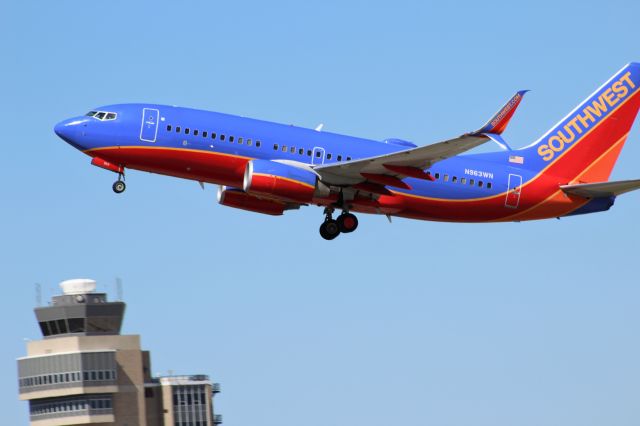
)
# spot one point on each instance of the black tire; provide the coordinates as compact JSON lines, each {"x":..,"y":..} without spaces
{"x":347,"y":222}
{"x":329,"y":229}
{"x":119,"y":187}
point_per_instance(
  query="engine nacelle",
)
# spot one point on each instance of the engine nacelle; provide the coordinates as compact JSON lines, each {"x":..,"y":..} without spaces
{"x":233,"y":197}
{"x":282,"y":181}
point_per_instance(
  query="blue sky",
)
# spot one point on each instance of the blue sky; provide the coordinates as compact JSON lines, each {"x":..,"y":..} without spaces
{"x":407,"y":323}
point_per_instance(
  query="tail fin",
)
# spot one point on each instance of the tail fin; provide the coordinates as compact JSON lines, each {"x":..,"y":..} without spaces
{"x":584,"y":146}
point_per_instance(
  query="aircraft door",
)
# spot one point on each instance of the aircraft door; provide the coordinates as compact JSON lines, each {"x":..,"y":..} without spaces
{"x":149,"y":127}
{"x":513,"y":193}
{"x":317,"y":156}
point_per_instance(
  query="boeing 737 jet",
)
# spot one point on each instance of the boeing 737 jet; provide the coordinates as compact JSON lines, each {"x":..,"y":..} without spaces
{"x":270,"y":168}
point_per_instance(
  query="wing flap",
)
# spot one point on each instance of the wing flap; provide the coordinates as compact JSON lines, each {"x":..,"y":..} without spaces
{"x":601,"y":189}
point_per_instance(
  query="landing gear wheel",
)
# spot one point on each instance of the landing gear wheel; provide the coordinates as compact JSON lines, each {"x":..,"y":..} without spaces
{"x":347,"y":222}
{"x":329,"y":229}
{"x":119,"y":186}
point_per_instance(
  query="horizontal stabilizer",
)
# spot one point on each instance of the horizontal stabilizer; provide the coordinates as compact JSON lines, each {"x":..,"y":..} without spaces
{"x":601,"y":189}
{"x":498,"y":123}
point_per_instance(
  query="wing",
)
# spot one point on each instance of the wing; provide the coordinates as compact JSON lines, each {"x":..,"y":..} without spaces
{"x":389,"y":169}
{"x":410,"y":162}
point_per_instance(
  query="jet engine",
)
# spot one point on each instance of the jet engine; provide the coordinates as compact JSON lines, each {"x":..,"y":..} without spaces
{"x":286,"y":182}
{"x":237,"y":198}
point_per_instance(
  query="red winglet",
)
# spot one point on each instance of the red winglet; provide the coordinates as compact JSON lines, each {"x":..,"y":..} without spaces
{"x":498,"y":123}
{"x":385,"y":180}
{"x":413,"y":172}
{"x":373,"y":187}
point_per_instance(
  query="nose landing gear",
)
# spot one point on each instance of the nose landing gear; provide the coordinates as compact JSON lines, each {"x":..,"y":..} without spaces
{"x":331,"y":228}
{"x":119,"y":186}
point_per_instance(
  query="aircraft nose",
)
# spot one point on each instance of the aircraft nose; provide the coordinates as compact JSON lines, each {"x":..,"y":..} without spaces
{"x":68,"y":130}
{"x":63,"y":129}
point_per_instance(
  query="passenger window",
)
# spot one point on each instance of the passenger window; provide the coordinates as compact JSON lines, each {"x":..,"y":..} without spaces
{"x":293,"y":149}
{"x":301,"y":151}
{"x":230,"y":138}
{"x":284,"y":148}
{"x":221,"y":137}
{"x":249,"y":143}
{"x":309,"y":152}
{"x":471,"y":182}
{"x":437,"y":175}
{"x":348,"y":158}
{"x":339,"y":157}
{"x":240,"y":141}
{"x":328,"y":156}
{"x":463,"y":180}
{"x":454,"y":179}
{"x":178,"y":129}
{"x":168,"y":127}
{"x":318,"y":154}
{"x":213,"y":135}
{"x":195,"y":132}
{"x":488,"y":185}
{"x":258,"y":143}
{"x":275,"y":146}
{"x":480,"y":183}
{"x":186,"y":131}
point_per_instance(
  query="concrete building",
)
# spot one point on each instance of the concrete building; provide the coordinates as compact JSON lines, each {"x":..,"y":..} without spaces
{"x":84,"y":371}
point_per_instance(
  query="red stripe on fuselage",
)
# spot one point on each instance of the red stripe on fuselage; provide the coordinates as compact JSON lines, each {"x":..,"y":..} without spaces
{"x":203,"y":166}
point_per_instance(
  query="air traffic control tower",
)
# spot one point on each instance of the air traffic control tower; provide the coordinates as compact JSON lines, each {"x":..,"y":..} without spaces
{"x":84,"y":371}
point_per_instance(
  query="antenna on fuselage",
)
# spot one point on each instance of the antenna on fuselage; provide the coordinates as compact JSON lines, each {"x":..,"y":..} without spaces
{"x":319,"y":127}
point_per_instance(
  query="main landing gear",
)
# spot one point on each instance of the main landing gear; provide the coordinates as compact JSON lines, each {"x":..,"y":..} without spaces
{"x":331,"y":228}
{"x":119,"y":186}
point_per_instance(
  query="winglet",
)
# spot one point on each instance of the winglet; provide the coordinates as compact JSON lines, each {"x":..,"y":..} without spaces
{"x":498,"y":123}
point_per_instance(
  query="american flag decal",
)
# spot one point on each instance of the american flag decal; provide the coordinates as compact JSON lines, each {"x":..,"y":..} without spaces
{"x":516,"y":159}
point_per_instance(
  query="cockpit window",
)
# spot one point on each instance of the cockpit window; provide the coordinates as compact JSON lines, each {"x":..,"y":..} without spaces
{"x":102,"y":115}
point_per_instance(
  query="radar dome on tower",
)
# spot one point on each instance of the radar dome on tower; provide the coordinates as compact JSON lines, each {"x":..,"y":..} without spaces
{"x":78,"y":286}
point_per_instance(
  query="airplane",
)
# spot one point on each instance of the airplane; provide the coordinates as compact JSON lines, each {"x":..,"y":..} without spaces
{"x":271,"y":168}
